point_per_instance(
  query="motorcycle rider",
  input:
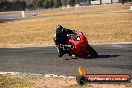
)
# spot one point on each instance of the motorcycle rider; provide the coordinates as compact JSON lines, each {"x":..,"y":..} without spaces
{"x":61,"y":34}
{"x":61,"y":38}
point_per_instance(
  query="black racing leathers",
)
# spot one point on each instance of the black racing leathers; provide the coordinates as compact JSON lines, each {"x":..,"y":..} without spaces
{"x":61,"y":36}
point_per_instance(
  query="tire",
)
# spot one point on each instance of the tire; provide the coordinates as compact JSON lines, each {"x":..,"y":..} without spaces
{"x":93,"y":53}
{"x":81,"y":80}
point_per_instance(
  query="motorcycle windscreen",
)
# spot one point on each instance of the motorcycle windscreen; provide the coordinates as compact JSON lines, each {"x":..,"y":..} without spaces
{"x":76,"y":38}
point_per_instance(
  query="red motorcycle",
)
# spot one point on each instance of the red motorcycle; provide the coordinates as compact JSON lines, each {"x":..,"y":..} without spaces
{"x":77,"y":44}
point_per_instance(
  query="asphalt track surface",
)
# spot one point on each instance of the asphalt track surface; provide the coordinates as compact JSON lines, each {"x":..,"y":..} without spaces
{"x":113,"y":59}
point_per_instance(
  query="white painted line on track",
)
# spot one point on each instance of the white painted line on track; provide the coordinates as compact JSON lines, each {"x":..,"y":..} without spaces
{"x":119,"y":46}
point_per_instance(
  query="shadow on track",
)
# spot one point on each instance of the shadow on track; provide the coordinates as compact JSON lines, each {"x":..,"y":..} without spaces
{"x":107,"y":56}
{"x":100,"y":56}
{"x":72,"y":58}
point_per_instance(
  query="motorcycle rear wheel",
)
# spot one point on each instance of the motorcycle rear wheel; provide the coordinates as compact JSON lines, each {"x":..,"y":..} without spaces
{"x":93,"y":53}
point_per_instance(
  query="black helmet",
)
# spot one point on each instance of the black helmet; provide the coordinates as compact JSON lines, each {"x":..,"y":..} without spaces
{"x":59,"y":27}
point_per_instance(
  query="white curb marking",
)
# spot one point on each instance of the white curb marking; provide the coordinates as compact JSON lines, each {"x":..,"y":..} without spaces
{"x":119,"y":46}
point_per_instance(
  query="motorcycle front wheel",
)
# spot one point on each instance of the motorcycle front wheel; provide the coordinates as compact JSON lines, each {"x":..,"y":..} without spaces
{"x":60,"y":51}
